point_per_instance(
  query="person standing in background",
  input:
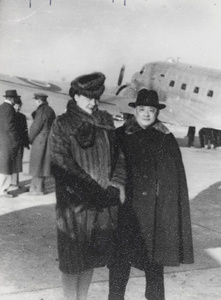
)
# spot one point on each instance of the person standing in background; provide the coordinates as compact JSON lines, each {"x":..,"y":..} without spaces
{"x":21,"y":125}
{"x":39,"y":167}
{"x":9,"y":141}
{"x":191,"y":135}
{"x":202,"y":133}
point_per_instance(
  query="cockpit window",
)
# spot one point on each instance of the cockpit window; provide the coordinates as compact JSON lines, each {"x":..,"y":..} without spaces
{"x":210,"y":93}
{"x":172,"y":83}
{"x":183,"y":86}
{"x":196,"y":90}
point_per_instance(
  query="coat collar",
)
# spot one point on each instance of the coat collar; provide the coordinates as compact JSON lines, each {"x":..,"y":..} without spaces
{"x":42,"y":104}
{"x":86,"y":125}
{"x":131,"y":126}
{"x":98,"y":118}
{"x":8,"y":101}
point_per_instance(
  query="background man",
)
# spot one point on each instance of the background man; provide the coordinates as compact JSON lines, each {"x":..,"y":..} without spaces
{"x":21,"y":126}
{"x":39,"y":168}
{"x":9,"y":141}
{"x":191,"y":135}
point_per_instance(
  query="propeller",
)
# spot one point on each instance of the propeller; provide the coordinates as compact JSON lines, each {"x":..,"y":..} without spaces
{"x":121,"y":75}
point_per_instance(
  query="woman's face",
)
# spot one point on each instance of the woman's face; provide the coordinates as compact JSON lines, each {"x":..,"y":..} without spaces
{"x":86,"y":104}
{"x":17,"y":107}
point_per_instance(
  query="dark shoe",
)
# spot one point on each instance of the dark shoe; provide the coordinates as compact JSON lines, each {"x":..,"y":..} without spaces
{"x":16,"y":186}
{"x":6,"y":195}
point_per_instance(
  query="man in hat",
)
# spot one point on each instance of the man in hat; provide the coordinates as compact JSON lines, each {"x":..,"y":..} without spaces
{"x":9,"y":141}
{"x":21,"y":125}
{"x":39,"y":167}
{"x":154,"y":227}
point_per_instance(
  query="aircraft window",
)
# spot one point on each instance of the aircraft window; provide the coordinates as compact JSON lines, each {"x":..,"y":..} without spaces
{"x":172,"y":82}
{"x":183,"y":86}
{"x":210,"y":93}
{"x":196,"y":90}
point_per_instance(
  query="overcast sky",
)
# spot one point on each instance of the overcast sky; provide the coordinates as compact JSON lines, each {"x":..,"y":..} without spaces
{"x":70,"y":37}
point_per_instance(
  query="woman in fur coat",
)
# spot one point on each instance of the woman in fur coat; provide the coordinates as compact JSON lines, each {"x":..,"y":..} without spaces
{"x":81,"y":142}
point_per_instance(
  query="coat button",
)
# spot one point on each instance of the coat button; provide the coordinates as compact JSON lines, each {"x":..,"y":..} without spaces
{"x":144,"y":193}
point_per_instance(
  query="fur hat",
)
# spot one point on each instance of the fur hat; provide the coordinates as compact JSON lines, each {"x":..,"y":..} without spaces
{"x":147,"y":97}
{"x":90,"y":85}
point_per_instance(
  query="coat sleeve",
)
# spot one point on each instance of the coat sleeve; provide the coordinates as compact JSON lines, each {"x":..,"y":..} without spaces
{"x":66,"y":169}
{"x":24,"y":131}
{"x":119,"y":167}
{"x":12,"y":130}
{"x":36,"y":126}
{"x":186,"y":244}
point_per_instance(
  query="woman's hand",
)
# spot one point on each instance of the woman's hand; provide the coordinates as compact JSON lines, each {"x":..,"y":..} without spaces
{"x":121,"y":189}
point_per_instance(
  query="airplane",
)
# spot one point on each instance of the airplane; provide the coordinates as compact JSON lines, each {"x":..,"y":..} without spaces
{"x":192,"y":94}
{"x":58,"y":93}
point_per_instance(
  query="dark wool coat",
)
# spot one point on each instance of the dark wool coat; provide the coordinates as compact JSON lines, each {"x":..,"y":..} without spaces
{"x":21,"y":126}
{"x":81,"y":163}
{"x":154,"y":222}
{"x":9,"y":139}
{"x":38,"y":136}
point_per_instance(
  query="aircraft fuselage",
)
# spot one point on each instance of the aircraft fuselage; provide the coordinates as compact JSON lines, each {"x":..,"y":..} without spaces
{"x":192,"y":94}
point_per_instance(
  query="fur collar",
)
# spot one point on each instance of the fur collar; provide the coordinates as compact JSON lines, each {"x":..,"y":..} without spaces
{"x":131,"y":126}
{"x":86,"y":125}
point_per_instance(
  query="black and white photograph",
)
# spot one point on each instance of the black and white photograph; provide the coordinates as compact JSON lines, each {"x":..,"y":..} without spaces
{"x":110,"y":150}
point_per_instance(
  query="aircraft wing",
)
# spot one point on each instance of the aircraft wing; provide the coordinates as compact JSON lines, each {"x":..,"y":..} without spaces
{"x":58,"y":94}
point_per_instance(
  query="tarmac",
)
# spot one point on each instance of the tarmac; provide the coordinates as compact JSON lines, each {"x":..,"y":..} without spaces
{"x":28,"y":246}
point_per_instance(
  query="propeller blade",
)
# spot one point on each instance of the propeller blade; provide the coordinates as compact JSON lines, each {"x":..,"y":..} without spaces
{"x":121,"y":75}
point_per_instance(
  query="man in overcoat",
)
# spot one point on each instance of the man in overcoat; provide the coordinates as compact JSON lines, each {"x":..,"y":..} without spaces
{"x":22,"y":127}
{"x":40,"y":128}
{"x":9,"y":141}
{"x":154,"y":227}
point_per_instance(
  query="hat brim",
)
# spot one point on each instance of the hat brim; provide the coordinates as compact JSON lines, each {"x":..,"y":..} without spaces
{"x":40,"y":98}
{"x":159,"y":106}
{"x":14,"y":97}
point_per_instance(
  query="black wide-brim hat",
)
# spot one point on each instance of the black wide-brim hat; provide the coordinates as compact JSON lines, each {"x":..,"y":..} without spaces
{"x":11,"y":94}
{"x":147,"y":97}
{"x":90,"y":85}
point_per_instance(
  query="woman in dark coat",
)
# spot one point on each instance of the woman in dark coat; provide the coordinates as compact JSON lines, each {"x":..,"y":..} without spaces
{"x":81,"y":164}
{"x":154,"y":227}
